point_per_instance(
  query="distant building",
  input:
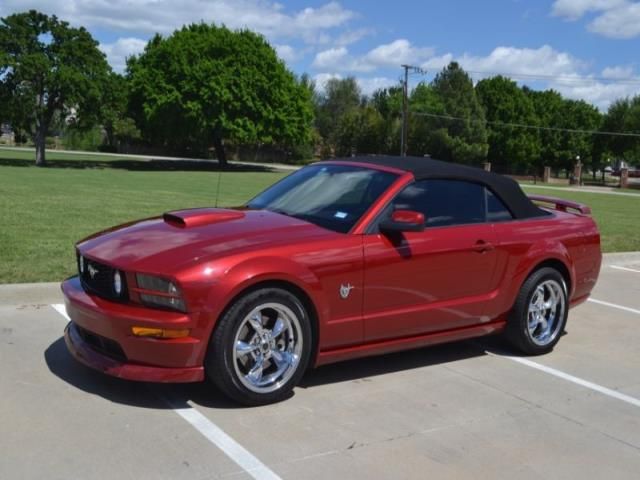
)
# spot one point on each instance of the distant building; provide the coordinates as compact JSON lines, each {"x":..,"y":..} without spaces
{"x":7,"y":137}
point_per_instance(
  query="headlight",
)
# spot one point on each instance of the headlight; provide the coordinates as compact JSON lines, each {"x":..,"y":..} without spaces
{"x":117,"y":283}
{"x":168,"y":294}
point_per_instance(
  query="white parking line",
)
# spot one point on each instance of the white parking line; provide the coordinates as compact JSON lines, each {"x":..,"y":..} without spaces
{"x":578,"y":381}
{"x":228,"y":445}
{"x":236,"y":452}
{"x":626,"y":269}
{"x":60,"y":308}
{"x":615,"y":305}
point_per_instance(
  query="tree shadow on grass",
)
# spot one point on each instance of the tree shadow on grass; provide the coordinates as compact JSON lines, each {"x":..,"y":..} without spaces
{"x":141,"y":165}
{"x":205,"y":394}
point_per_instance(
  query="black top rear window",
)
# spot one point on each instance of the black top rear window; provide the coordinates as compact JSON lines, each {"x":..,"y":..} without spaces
{"x":496,"y":209}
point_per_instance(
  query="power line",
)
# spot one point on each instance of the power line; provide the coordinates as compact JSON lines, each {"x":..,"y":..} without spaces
{"x":528,"y":126}
{"x":566,"y":78}
{"x":404,"y":133}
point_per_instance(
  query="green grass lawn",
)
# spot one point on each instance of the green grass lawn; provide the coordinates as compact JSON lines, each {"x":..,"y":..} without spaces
{"x":44,"y":211}
{"x":617,"y":216}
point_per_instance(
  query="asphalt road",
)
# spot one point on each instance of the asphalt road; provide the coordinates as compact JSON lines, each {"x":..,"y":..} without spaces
{"x":465,"y":410}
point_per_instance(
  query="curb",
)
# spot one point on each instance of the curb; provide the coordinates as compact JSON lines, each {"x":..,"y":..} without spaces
{"x":620,"y":258}
{"x":47,"y":293}
{"x":30,"y":293}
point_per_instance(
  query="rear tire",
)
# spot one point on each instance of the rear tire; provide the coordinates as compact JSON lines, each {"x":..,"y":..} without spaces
{"x":539,"y":314}
{"x":261,"y":347}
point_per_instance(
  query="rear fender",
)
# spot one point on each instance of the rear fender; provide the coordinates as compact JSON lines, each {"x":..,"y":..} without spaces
{"x":539,"y":253}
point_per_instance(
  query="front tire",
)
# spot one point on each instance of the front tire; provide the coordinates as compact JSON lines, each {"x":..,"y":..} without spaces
{"x":261,"y":347}
{"x":539,"y":314}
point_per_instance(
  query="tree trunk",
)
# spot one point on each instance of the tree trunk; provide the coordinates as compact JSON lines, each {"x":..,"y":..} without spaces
{"x":40,"y":141}
{"x":220,"y":153}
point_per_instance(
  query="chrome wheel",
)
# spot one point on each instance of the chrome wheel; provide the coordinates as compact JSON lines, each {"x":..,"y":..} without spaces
{"x":267,"y":347}
{"x":545,"y":313}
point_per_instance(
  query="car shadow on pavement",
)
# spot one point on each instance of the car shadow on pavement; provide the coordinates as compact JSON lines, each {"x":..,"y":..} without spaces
{"x":126,"y":392}
{"x":363,"y":368}
{"x":171,"y":396}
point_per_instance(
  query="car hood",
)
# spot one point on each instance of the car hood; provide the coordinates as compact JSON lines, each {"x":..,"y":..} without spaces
{"x":182,"y":238}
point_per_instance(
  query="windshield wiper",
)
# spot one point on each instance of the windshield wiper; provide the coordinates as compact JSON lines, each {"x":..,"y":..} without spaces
{"x":281,"y":212}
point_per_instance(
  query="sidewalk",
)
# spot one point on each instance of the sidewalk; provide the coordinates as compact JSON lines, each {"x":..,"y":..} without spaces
{"x":603,"y":190}
{"x":151,"y":158}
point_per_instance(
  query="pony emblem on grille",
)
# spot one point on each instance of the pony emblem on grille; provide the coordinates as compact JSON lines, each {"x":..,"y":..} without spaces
{"x":92,"y":270}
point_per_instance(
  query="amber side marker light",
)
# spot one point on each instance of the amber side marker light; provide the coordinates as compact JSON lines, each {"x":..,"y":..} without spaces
{"x":160,"y":332}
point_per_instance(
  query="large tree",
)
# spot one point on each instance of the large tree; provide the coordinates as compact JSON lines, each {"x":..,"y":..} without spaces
{"x":205,"y":85}
{"x":549,"y":109}
{"x":48,"y":70}
{"x":388,"y":102}
{"x":461,"y":138}
{"x":510,"y":147}
{"x":424,"y":100}
{"x":584,"y":117}
{"x":339,"y":101}
{"x":623,"y":116}
{"x":362,"y":130}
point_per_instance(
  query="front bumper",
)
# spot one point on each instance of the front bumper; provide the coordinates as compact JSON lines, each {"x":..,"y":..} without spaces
{"x":142,"y":359}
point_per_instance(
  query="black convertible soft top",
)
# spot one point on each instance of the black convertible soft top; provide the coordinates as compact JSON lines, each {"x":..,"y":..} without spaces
{"x":505,"y":188}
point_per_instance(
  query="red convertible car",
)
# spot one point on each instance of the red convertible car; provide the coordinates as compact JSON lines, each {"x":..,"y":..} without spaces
{"x":341,"y":259}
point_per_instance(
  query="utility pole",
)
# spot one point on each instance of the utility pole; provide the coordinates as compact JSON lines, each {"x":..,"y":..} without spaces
{"x":405,"y":106}
{"x":405,"y":112}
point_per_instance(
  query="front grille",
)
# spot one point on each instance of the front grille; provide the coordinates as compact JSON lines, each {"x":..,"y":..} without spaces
{"x":105,"y":346}
{"x":97,"y":278}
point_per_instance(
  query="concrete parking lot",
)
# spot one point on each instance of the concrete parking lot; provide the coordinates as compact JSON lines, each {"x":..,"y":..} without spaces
{"x":464,"y":410}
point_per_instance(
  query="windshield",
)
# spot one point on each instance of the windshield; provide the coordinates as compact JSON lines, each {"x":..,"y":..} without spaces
{"x":330,"y":196}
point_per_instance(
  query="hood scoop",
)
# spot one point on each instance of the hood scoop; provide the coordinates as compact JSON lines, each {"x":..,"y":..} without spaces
{"x":196,"y":217}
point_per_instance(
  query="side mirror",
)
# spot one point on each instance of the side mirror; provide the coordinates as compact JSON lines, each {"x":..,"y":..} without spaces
{"x":403,"y":221}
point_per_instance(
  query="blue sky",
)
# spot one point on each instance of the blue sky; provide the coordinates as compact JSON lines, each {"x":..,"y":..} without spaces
{"x":586,"y":49}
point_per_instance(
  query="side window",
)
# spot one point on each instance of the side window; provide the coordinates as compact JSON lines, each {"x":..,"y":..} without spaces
{"x":444,"y":202}
{"x":496,"y":210}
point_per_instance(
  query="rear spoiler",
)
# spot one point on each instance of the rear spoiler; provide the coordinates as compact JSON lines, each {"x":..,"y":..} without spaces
{"x":562,"y":204}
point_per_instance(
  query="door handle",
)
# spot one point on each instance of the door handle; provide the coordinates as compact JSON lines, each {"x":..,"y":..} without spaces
{"x":483,"y":246}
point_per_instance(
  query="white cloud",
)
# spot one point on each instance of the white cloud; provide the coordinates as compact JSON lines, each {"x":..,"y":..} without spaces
{"x":164,"y":16}
{"x":370,"y":85}
{"x":390,"y":55}
{"x":122,"y":48}
{"x":544,"y":67}
{"x":352,"y":36}
{"x":614,"y":19}
{"x":574,"y":9}
{"x":598,"y":93}
{"x":396,"y":53}
{"x":438,"y":62}
{"x":321,"y":79}
{"x":367,"y":85}
{"x":618,"y":72}
{"x":621,"y":22}
{"x":337,"y":57}
{"x":287,"y":53}
{"x":549,"y":68}
{"x":512,"y":60}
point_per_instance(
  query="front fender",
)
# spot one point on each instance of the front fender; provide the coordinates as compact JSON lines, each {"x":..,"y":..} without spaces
{"x":253,"y":271}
